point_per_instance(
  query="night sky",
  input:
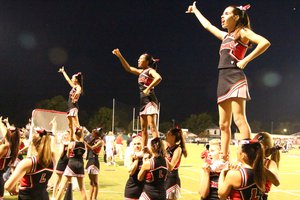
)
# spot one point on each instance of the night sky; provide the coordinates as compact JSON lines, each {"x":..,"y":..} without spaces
{"x":37,"y":37}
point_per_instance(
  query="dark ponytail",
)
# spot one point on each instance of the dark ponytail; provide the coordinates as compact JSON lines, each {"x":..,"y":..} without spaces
{"x":79,"y":78}
{"x":152,"y":61}
{"x":158,"y":147}
{"x":255,"y":158}
{"x":244,"y":20}
{"x":177,"y":132}
{"x":13,"y":137}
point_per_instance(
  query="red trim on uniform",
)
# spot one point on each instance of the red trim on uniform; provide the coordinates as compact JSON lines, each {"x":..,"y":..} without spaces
{"x":235,"y":87}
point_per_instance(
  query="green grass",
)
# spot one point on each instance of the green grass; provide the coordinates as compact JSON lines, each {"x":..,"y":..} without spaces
{"x":112,"y":179}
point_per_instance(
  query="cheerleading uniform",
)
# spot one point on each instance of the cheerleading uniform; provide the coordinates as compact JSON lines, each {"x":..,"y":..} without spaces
{"x":232,"y":81}
{"x":213,"y":189}
{"x":33,"y":185}
{"x":172,"y":183}
{"x":248,"y":189}
{"x":4,"y":161}
{"x":93,"y":165}
{"x":134,"y":187}
{"x":75,"y":167}
{"x":154,"y":182}
{"x":73,"y":106}
{"x":63,"y":161}
{"x":148,"y":103}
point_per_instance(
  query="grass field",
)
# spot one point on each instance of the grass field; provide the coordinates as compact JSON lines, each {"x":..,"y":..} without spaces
{"x":112,"y":179}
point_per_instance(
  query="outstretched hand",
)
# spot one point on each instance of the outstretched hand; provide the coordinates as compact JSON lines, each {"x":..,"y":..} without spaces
{"x":191,"y":8}
{"x":61,"y":70}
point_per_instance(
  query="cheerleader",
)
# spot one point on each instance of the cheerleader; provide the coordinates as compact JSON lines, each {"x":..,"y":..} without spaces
{"x":62,"y":162}
{"x":34,"y":172}
{"x":93,"y":165}
{"x":271,"y":161}
{"x":154,"y":171}
{"x":248,"y":181}
{"x":75,"y":167}
{"x":176,"y":148}
{"x":233,"y":89}
{"x":9,"y":148}
{"x":148,"y":79}
{"x":134,"y":187}
{"x":77,"y":89}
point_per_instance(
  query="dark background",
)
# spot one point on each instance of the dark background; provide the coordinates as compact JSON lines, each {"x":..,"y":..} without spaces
{"x":37,"y":37}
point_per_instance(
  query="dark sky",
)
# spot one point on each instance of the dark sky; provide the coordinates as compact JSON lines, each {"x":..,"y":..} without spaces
{"x":37,"y":37}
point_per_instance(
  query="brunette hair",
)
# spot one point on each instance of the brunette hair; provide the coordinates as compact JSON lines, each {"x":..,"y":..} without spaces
{"x":152,"y":62}
{"x":79,"y":78}
{"x":157,"y":147}
{"x":243,"y":21}
{"x":255,"y":158}
{"x":270,"y":149}
{"x":177,"y":132}
{"x":13,"y":137}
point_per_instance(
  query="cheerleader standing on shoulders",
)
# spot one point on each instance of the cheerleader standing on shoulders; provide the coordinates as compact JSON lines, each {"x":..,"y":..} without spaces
{"x":34,"y":172}
{"x":75,"y":167}
{"x":134,"y":187}
{"x":233,"y":89}
{"x":154,"y":171}
{"x":176,"y":148}
{"x":77,"y":89}
{"x":93,"y":165}
{"x":148,"y":79}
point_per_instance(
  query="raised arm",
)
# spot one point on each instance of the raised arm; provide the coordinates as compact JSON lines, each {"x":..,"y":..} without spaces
{"x":62,"y":70}
{"x":261,"y":42}
{"x":155,"y":82}
{"x":3,"y":128}
{"x":204,"y":181}
{"x":132,"y":164}
{"x":205,"y":23}
{"x":125,"y":64}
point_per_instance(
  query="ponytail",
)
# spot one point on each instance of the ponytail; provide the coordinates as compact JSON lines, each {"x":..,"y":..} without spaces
{"x":79,"y":78}
{"x":275,"y":156}
{"x":179,"y":139}
{"x":152,"y":62}
{"x":13,"y":137}
{"x":255,"y":158}
{"x":158,"y":147}
{"x":42,"y":143}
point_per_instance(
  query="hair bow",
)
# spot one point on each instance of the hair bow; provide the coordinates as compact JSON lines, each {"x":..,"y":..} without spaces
{"x":245,"y":7}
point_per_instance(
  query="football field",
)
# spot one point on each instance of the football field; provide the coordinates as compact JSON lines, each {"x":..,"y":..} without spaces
{"x":112,"y":179}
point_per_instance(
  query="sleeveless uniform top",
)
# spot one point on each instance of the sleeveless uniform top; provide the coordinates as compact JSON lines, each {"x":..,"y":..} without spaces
{"x":231,"y":52}
{"x":248,"y":189}
{"x":94,"y":153}
{"x":144,"y":80}
{"x":213,"y":189}
{"x":77,"y":150}
{"x":4,"y":161}
{"x":35,"y":181}
{"x":170,"y":152}
{"x":71,"y":96}
{"x":155,"y":178}
{"x":134,"y":187}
